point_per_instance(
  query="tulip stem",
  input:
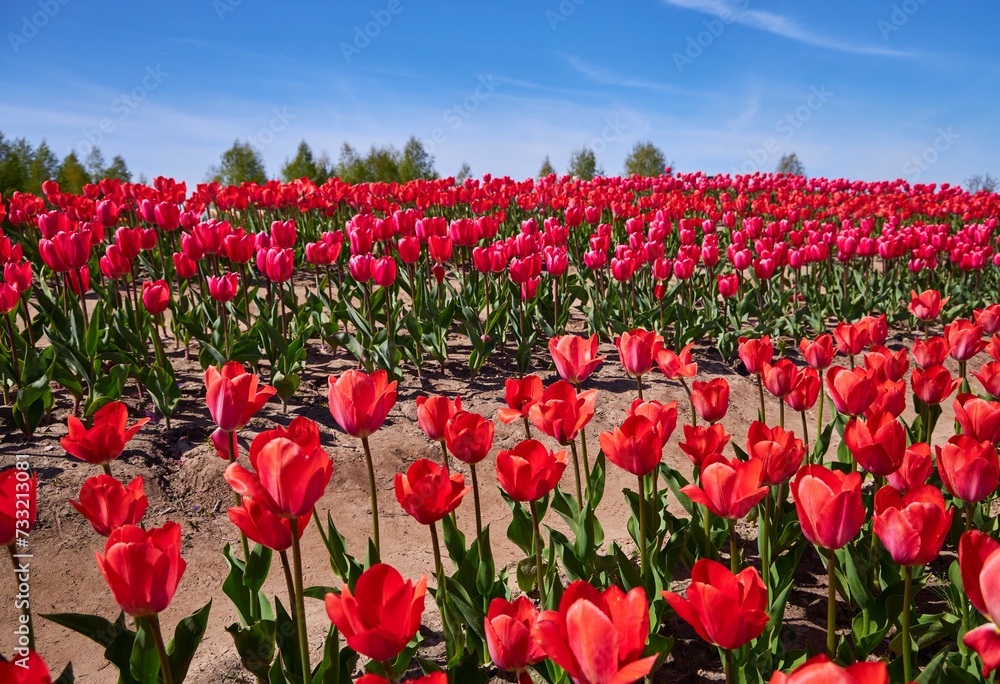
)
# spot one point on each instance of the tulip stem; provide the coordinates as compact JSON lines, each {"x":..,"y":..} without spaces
{"x":538,"y":553}
{"x":371,"y":488}
{"x":161,"y":652}
{"x":527,"y":427}
{"x":479,"y":517}
{"x":734,"y":560}
{"x":300,"y":617}
{"x":644,"y":562}
{"x":819,"y":416}
{"x":444,"y":455}
{"x":765,"y":556}
{"x":805,"y":436}
{"x":107,"y":469}
{"x":907,"y":598}
{"x":583,"y":450}
{"x":25,"y":606}
{"x":290,"y":586}
{"x":638,"y":383}
{"x":781,"y":414}
{"x":694,"y":413}
{"x":831,"y":605}
{"x":729,"y":666}
{"x":576,"y":469}
{"x":707,"y":522}
{"x":760,"y":389}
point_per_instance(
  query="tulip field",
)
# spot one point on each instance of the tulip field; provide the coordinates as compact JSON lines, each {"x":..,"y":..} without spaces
{"x":677,"y":429}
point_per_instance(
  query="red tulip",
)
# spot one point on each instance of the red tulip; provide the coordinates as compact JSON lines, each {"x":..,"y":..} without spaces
{"x":729,"y":488}
{"x":143,"y":567}
{"x":8,"y":298}
{"x":106,"y":440}
{"x":988,"y":318}
{"x":184,"y":266}
{"x":156,"y":296}
{"x":818,"y":353}
{"x":13,"y":483}
{"x":819,"y":670}
{"x":878,"y":328}
{"x":598,"y":638}
{"x":636,"y":446}
{"x":891,"y":399}
{"x":384,"y":271}
{"x":989,"y":377}
{"x":980,"y":419}
{"x":755,"y":353}
{"x":107,"y":505}
{"x":969,"y":469}
{"x":508,"y":636}
{"x":224,"y":288}
{"x":575,"y":357}
{"x":638,"y":350}
{"x":934,"y":385}
{"x":965,"y":338}
{"x":851,"y":338}
{"x":913,"y":526}
{"x":264,"y":527}
{"x":711,"y":399}
{"x":933,"y":352}
{"x":359,"y":402}
{"x":728,"y":285}
{"x":469,"y":436}
{"x":884,"y":365}
{"x":927,"y":305}
{"x":291,"y":470}
{"x":805,"y":392}
{"x":428,"y":492}
{"x":562,"y":413}
{"x":529,"y":471}
{"x":433,"y":414}
{"x":677,"y":365}
{"x":852,"y":392}
{"x":383,"y":613}
{"x":980,"y":566}
{"x":520,"y":395}
{"x":21,"y":669}
{"x":233,"y":396}
{"x":779,"y":451}
{"x":702,"y":442}
{"x":664,"y":417}
{"x":726,"y":610}
{"x":432,"y":678}
{"x":780,"y":378}
{"x":876,"y":444}
{"x":829,"y":505}
{"x":916,"y":468}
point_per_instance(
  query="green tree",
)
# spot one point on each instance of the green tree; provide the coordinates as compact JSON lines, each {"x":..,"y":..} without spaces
{"x":44,"y":166}
{"x":791,"y":165}
{"x":645,"y":159}
{"x":382,"y":164}
{"x":547,"y":168}
{"x":240,"y":163}
{"x":15,"y":160}
{"x":350,"y":166}
{"x":94,"y":164}
{"x":118,"y":169}
{"x":302,"y":166}
{"x":416,"y":162}
{"x":465,"y":171}
{"x":583,"y":164}
{"x":979,"y":183}
{"x":72,"y":175}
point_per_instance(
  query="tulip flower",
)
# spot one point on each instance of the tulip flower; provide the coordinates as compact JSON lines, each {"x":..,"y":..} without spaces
{"x":805,"y":392}
{"x":509,"y":639}
{"x":428,"y":492}
{"x":663,"y":416}
{"x":597,"y":637}
{"x":755,"y":354}
{"x":469,"y":437}
{"x":965,"y":339}
{"x":562,"y":414}
{"x":927,"y":305}
{"x":25,"y":669}
{"x":676,"y":366}
{"x":359,"y":403}
{"x":700,"y":443}
{"x":575,"y":357}
{"x":932,"y":386}
{"x":912,"y":528}
{"x":107,"y":505}
{"x":932,"y":352}
{"x":980,"y":567}
{"x":105,"y":441}
{"x":13,"y":483}
{"x":638,"y":350}
{"x":779,"y":451}
{"x":989,"y":377}
{"x":233,"y":396}
{"x":852,"y":392}
{"x":876,"y":444}
{"x":831,"y":514}
{"x":711,"y":399}
{"x":891,"y":399}
{"x":969,"y":470}
{"x":878,"y":328}
{"x":143,"y":567}
{"x":851,"y":339}
{"x":820,"y":670}
{"x":885,"y":365}
{"x":432,"y":678}
{"x":383,"y":613}
{"x":155,"y":296}
{"x":433,"y":414}
{"x":726,"y":609}
{"x":980,"y":419}
{"x":520,"y":395}
{"x":258,"y":523}
{"x":918,"y":465}
{"x":779,"y":379}
{"x":818,"y":353}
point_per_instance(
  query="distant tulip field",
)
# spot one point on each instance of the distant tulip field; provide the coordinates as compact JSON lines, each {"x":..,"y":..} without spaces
{"x":857,"y":314}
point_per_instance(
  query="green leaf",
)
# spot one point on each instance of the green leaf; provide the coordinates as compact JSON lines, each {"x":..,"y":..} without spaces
{"x":255,"y":645}
{"x":187,"y":636}
{"x":67,"y":675}
{"x":144,"y":663}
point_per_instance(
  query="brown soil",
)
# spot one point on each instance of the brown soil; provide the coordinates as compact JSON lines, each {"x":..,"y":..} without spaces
{"x":183,"y":481}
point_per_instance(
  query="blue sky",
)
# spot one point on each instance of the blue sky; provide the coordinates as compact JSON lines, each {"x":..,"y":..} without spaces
{"x":869,"y":90}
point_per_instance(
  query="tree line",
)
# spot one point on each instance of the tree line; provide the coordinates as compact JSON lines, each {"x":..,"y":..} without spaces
{"x":23,"y":168}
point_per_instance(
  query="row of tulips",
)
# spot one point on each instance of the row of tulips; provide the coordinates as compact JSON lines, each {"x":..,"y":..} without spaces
{"x":606,"y":625}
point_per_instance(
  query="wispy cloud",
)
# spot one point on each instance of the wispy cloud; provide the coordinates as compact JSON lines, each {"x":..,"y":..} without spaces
{"x":782,"y":26}
{"x":604,"y":76}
